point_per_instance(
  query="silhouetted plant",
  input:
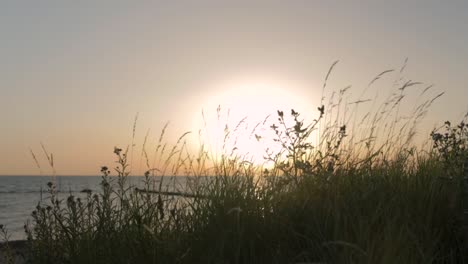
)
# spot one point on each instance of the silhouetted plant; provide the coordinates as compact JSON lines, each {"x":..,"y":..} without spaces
{"x":452,"y":146}
{"x":8,"y":257}
{"x":341,"y":199}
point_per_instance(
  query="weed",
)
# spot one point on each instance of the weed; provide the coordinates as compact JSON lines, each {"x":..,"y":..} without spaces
{"x":344,"y":188}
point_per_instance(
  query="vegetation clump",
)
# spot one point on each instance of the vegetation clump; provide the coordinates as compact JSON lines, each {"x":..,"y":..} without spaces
{"x":359,"y":194}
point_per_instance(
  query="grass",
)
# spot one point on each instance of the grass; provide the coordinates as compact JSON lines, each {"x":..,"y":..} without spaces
{"x":360,"y":194}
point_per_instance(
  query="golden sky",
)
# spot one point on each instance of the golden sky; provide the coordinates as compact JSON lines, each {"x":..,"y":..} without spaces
{"x":73,"y":75}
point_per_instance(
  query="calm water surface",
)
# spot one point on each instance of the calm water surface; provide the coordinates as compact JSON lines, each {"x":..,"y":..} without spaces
{"x":19,"y":195}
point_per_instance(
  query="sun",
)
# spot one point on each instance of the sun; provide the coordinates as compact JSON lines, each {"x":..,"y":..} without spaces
{"x":236,"y":120}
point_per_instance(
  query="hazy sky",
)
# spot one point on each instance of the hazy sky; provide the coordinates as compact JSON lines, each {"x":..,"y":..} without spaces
{"x":73,"y":75}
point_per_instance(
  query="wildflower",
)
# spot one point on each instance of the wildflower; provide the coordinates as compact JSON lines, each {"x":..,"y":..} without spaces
{"x":104,"y":169}
{"x":50,"y":184}
{"x":343,"y":129}
{"x":436,"y":136}
{"x":257,"y":137}
{"x":294,"y":113}
{"x":117,"y":150}
{"x":321,"y":109}
{"x":280,"y":113}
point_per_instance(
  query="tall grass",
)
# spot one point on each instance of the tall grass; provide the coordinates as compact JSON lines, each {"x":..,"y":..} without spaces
{"x":361,"y":193}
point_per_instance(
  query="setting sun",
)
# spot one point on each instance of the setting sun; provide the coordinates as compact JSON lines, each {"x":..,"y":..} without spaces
{"x":233,"y":132}
{"x":237,"y":119}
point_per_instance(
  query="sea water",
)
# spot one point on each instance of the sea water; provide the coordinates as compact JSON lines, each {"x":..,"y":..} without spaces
{"x":19,"y":195}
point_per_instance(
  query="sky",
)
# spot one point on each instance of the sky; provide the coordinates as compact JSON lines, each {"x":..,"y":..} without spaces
{"x":74,"y":74}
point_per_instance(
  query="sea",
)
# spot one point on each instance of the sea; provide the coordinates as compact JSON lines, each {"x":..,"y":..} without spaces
{"x":19,"y":195}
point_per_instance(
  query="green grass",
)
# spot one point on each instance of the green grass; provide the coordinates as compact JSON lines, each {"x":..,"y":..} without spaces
{"x":361,"y":194}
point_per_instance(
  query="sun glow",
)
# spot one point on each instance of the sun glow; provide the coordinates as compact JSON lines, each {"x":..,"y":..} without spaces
{"x":236,"y":119}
